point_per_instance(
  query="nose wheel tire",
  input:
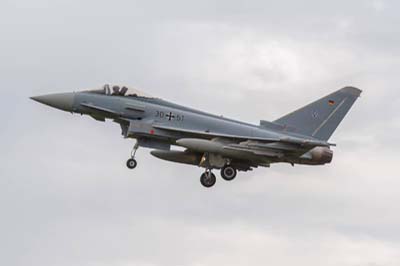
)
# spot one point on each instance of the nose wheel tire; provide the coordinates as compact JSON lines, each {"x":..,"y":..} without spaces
{"x":131,"y":163}
{"x":228,"y":173}
{"x":208,"y":179}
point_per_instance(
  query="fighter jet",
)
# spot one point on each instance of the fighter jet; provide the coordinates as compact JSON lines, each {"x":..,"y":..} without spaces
{"x":211,"y":141}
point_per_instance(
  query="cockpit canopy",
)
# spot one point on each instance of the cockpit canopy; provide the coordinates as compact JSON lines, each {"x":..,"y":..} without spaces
{"x":116,"y":90}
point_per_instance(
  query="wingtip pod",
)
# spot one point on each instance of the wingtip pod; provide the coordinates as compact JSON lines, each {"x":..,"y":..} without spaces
{"x":352,"y":91}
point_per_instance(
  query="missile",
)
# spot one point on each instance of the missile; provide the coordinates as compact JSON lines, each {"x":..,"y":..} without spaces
{"x":178,"y":156}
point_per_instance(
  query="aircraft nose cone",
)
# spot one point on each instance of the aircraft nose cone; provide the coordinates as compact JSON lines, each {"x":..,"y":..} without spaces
{"x":63,"y":101}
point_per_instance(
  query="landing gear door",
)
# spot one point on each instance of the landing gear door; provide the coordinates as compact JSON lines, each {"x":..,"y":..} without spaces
{"x":145,"y":135}
{"x":140,"y":128}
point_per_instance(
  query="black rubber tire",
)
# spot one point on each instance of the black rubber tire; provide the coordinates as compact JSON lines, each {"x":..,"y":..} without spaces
{"x":131,"y":163}
{"x":228,"y":173}
{"x":208,"y":179}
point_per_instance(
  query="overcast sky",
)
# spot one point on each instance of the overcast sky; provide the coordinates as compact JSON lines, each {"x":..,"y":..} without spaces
{"x":66,"y":197}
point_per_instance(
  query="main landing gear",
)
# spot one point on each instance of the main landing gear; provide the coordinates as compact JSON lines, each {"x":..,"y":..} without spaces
{"x":132,"y":163}
{"x":208,"y":179}
{"x":228,"y":173}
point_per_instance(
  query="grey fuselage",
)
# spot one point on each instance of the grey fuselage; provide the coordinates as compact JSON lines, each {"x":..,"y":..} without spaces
{"x":214,"y":141}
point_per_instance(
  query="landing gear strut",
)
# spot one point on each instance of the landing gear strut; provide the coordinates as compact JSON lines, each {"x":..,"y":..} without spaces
{"x":132,"y":163}
{"x":228,"y":173}
{"x":208,"y":179}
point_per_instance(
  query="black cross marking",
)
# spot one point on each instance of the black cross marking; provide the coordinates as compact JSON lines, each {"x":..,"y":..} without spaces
{"x":170,"y":116}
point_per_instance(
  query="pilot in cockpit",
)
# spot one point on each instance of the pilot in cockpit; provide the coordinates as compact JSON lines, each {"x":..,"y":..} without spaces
{"x":115,"y":91}
{"x":118,"y":91}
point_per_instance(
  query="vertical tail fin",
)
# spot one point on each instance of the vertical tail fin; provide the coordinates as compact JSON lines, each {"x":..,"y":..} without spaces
{"x":321,"y":118}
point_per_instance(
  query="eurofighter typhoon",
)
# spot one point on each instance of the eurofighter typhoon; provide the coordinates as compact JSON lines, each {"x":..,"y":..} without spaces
{"x":210,"y":141}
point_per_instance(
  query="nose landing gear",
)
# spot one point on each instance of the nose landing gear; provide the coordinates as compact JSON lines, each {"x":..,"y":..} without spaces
{"x":132,"y":163}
